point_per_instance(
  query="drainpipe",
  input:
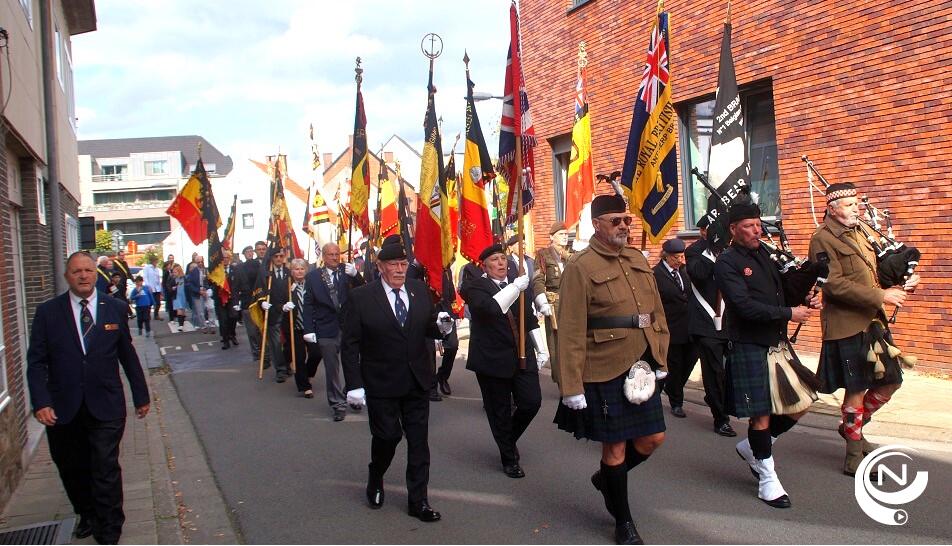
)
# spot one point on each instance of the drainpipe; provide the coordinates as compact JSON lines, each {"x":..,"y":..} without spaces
{"x":55,"y":215}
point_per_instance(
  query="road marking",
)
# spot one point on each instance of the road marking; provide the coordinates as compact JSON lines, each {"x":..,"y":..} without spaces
{"x":194,"y":347}
{"x":162,"y":350}
{"x":444,"y":494}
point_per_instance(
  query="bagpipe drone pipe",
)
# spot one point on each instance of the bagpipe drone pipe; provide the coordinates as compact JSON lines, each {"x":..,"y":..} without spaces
{"x":895,"y":261}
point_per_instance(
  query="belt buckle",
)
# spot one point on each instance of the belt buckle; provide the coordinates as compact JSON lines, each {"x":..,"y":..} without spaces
{"x":644,"y":320}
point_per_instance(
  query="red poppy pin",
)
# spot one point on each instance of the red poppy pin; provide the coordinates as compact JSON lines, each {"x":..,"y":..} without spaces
{"x":748,"y":271}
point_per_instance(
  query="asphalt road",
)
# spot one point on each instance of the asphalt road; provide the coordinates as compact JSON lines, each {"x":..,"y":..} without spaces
{"x":292,"y":475}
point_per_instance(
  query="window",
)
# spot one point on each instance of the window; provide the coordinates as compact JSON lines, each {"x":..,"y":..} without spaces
{"x":27,"y":6}
{"x":129,"y":197}
{"x":561,"y":146}
{"x":248,"y":221}
{"x":64,"y":73}
{"x":114,"y":172}
{"x":153,"y":168}
{"x":4,"y":391}
{"x":575,"y":4}
{"x":696,"y":127}
{"x":72,"y":234}
{"x":40,"y":197}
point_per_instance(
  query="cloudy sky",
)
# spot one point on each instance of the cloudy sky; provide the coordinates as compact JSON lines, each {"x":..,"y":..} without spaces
{"x":250,"y":76}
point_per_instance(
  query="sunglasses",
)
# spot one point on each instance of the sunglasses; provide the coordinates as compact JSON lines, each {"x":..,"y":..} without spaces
{"x":616,"y":221}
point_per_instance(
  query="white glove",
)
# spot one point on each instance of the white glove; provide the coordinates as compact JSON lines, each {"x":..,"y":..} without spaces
{"x":310,"y":338}
{"x":289,"y":306}
{"x":542,"y":354}
{"x":660,"y":374}
{"x":522,"y":282}
{"x":575,"y":402}
{"x":265,"y":305}
{"x":444,"y":322}
{"x":357,"y":398}
{"x":542,"y":304}
{"x":350,"y":269}
{"x":237,"y":308}
{"x":507,"y":296}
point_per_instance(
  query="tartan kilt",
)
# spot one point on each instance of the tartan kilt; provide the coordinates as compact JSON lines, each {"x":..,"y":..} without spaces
{"x":748,"y":380}
{"x":609,"y":416}
{"x":843,"y":365}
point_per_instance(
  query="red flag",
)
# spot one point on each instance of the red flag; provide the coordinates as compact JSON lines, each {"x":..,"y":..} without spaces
{"x":580,"y":183}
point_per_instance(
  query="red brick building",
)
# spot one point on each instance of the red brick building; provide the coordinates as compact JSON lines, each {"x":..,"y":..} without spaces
{"x":863,"y":89}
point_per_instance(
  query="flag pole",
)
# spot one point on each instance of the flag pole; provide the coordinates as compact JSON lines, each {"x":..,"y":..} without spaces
{"x":264,"y":337}
{"x":291,"y":317}
{"x":520,"y":214}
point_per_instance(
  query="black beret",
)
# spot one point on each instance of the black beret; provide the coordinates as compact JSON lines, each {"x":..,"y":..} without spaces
{"x":673,"y":246}
{"x":607,"y":204}
{"x":489,"y":251}
{"x":742,"y":211}
{"x":514,"y":240}
{"x":703,"y":222}
{"x":392,"y":249}
{"x":247,"y":248}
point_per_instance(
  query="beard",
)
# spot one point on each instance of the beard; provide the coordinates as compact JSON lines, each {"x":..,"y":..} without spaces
{"x":620,"y":239}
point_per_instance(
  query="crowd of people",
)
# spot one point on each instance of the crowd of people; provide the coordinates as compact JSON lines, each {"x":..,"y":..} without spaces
{"x":617,"y":333}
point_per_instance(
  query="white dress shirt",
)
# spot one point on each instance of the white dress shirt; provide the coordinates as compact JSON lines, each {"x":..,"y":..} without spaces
{"x":391,"y":297}
{"x":77,"y":309}
{"x":671,"y":271}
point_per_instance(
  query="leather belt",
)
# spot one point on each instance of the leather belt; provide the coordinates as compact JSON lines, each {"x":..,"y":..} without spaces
{"x":643,"y":320}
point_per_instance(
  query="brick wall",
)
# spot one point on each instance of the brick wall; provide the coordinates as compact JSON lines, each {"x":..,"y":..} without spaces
{"x":12,"y":423}
{"x":862,"y":90}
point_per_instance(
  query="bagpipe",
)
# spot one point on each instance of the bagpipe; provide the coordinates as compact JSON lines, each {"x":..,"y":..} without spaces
{"x":895,"y":261}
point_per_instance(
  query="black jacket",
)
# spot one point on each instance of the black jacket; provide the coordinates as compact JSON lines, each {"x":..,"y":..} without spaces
{"x":675,"y":301}
{"x":247,"y":276}
{"x":492,"y":344}
{"x":700,"y":270}
{"x":321,"y":316}
{"x":753,"y":290}
{"x":278,"y":295}
{"x":379,"y":355}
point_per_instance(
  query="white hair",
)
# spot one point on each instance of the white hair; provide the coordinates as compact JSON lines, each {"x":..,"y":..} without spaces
{"x":296,"y":262}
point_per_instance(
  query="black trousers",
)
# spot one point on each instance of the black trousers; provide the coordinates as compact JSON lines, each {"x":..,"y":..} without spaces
{"x":714,"y":376}
{"x":499,"y":395}
{"x":169,"y":298}
{"x":227,"y":320}
{"x":450,"y":348}
{"x":307,"y":357}
{"x":390,"y":419}
{"x":681,"y":360}
{"x":86,"y":453}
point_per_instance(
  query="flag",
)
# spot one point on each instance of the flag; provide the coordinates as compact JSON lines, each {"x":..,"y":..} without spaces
{"x":190,"y":206}
{"x":516,"y":124}
{"x":580,"y":183}
{"x":650,"y":173}
{"x":212,"y":221}
{"x":315,"y":157}
{"x":403,"y":212}
{"x":320,"y":212}
{"x":389,"y":215}
{"x":360,"y":163}
{"x":228,"y":240}
{"x":474,"y":227}
{"x":280,"y":230}
{"x":428,"y":241}
{"x":450,"y":234}
{"x":729,"y":165}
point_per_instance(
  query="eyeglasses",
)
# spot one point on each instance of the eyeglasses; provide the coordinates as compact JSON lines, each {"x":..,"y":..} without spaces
{"x":616,"y":221}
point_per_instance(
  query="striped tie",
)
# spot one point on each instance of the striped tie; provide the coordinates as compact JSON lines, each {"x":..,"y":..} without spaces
{"x":400,"y":308}
{"x":86,"y":318}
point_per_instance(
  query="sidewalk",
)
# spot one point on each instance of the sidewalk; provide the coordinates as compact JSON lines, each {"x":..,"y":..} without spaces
{"x":170,"y":496}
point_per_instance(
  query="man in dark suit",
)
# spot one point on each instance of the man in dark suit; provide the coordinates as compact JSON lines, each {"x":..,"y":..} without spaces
{"x":705,"y":327}
{"x":383,"y":350}
{"x":493,"y":354}
{"x":673,"y":285}
{"x":76,"y":392}
{"x":227,"y":310}
{"x":103,"y":274}
{"x":248,"y":279}
{"x":327,"y":290}
{"x":278,"y":278}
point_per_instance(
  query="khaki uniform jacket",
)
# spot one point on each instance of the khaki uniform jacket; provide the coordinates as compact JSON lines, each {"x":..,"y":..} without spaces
{"x":548,"y":275}
{"x":600,"y":282}
{"x":851,"y":296}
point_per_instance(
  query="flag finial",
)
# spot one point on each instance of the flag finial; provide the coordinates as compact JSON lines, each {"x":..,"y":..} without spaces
{"x":359,"y":77}
{"x":582,"y":55}
{"x":198,"y":149}
{"x":728,"y":20}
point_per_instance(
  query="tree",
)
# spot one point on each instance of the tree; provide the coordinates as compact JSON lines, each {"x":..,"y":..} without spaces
{"x":154,"y":252}
{"x":103,"y":241}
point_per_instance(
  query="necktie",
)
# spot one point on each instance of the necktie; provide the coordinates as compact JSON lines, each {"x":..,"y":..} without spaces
{"x":86,"y":319}
{"x":503,"y":284}
{"x":299,"y":303}
{"x":677,"y":278}
{"x":400,"y":308}
{"x":331,"y":287}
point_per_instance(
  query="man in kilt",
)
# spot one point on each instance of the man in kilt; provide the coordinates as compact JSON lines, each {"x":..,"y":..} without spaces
{"x":853,"y":307}
{"x":610,"y":316}
{"x":756,"y":315}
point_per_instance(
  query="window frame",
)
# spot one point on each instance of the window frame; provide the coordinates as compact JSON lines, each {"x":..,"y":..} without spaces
{"x":149,"y":167}
{"x":683,"y":108}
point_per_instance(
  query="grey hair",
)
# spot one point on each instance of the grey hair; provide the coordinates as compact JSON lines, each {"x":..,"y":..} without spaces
{"x":299,"y":262}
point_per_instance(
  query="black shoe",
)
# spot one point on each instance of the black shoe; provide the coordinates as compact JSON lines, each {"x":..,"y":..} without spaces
{"x":375,"y":496}
{"x":424,"y":513}
{"x":84,"y":528}
{"x":598,"y":482}
{"x":627,"y":534}
{"x":725,"y":430}
{"x":280,"y":378}
{"x":234,"y":340}
{"x":445,"y":387}
{"x":225,"y":344}
{"x":435,"y":396}
{"x":514,"y":471}
{"x":678,"y":411}
{"x":339,"y":415}
{"x":783,"y":501}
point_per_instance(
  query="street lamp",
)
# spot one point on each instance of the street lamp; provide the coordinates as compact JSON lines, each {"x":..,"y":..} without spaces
{"x":481,"y":95}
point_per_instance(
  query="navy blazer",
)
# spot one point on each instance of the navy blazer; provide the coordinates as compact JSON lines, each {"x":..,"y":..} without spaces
{"x":320,"y":315}
{"x":62,"y":377}
{"x":192,"y":282}
{"x":492,"y":347}
{"x":377,"y":353}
